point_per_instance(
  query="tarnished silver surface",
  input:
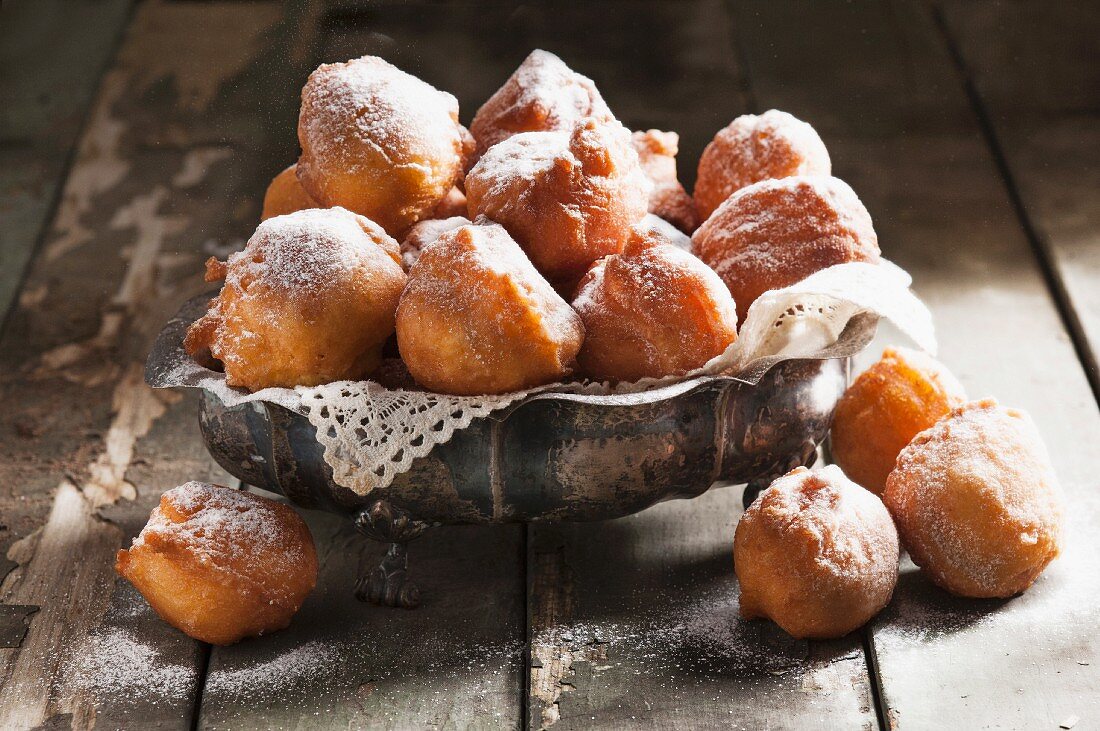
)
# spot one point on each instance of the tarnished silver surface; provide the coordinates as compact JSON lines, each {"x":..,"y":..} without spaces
{"x":550,"y":456}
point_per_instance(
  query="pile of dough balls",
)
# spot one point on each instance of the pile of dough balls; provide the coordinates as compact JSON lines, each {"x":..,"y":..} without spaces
{"x":966,"y":487}
{"x":545,"y":243}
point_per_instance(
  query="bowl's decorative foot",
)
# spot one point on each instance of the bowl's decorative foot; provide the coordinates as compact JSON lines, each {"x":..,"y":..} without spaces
{"x":753,"y":490}
{"x":389,"y":583}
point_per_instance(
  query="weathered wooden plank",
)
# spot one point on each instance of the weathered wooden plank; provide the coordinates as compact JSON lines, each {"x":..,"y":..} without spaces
{"x":634,"y":623}
{"x":1034,"y":70}
{"x":879,"y":84}
{"x":455,"y":662}
{"x":44,"y":98}
{"x":87,"y":447}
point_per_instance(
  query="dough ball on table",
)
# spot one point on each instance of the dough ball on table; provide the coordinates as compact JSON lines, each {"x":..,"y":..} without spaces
{"x":654,"y":310}
{"x":902,"y":394}
{"x":477,"y":318}
{"x":816,"y":554}
{"x":657,"y":153}
{"x":775,"y":233}
{"x":542,"y":95}
{"x":568,"y":198}
{"x":285,"y":195}
{"x":379,"y":142}
{"x":220,"y":564}
{"x":423,"y":234}
{"x":311,"y":299}
{"x":754,"y":148}
{"x":977,"y":502}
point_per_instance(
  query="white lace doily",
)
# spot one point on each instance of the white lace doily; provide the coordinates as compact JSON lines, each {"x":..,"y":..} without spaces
{"x":372,"y":433}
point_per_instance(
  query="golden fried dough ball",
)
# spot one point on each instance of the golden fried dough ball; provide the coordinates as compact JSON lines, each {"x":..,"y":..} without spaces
{"x":424,"y":233}
{"x":285,"y":195}
{"x":310,"y":300}
{"x":568,"y":198}
{"x":657,"y":153}
{"x":976,"y":501}
{"x":379,"y":142}
{"x":653,"y":310}
{"x":754,"y":148}
{"x":775,"y":233}
{"x":542,"y":95}
{"x":477,"y":318}
{"x":220,"y":564}
{"x":816,"y":554}
{"x":905,"y":392}
{"x":453,"y":204}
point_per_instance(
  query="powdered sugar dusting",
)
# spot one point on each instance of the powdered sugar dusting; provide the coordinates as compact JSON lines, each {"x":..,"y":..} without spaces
{"x":543,"y":94}
{"x":303,"y":252}
{"x":367,"y":101}
{"x":117,"y":664}
{"x":423,"y":234}
{"x":223,"y":529}
{"x":313,"y":659}
{"x":753,"y":148}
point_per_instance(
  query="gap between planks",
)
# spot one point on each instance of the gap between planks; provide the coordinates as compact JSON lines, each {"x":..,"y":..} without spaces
{"x":1044,"y":256}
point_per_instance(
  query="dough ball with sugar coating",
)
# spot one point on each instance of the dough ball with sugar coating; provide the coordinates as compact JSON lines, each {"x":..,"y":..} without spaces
{"x":654,"y":310}
{"x":311,"y":299}
{"x":221,"y":564}
{"x":542,"y":95}
{"x":816,"y":554}
{"x":285,"y":195}
{"x":477,"y":318}
{"x":775,"y":233}
{"x":902,"y":394}
{"x":977,"y":502}
{"x":754,"y":148}
{"x":379,"y":142}
{"x":668,"y":199}
{"x":567,"y":198}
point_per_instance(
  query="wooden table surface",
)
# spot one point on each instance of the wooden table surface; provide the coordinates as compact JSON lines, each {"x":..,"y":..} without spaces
{"x":136,"y":139}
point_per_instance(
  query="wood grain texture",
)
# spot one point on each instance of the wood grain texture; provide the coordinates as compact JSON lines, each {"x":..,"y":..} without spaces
{"x":879,"y":84}
{"x":1033,"y":68}
{"x":87,"y":447}
{"x":455,"y":662}
{"x":44,"y":98}
{"x":634,"y":624}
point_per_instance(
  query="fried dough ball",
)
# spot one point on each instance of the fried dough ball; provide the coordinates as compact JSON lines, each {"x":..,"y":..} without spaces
{"x":902,"y":394}
{"x":976,"y":501}
{"x":542,"y":95}
{"x":754,"y":148}
{"x":453,"y":204}
{"x":816,"y":554}
{"x":653,"y":310}
{"x":285,"y":195}
{"x":477,"y":318}
{"x":379,"y":142}
{"x":657,"y":153}
{"x":568,"y":198}
{"x":310,"y":300}
{"x":668,"y":233}
{"x":775,"y":233}
{"x":220,"y":564}
{"x":424,"y":233}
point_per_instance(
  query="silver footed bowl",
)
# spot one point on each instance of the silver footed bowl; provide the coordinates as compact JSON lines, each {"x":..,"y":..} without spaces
{"x":551,"y":456}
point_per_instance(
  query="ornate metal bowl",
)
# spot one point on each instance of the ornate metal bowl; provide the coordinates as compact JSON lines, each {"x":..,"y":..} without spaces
{"x":551,"y":456}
